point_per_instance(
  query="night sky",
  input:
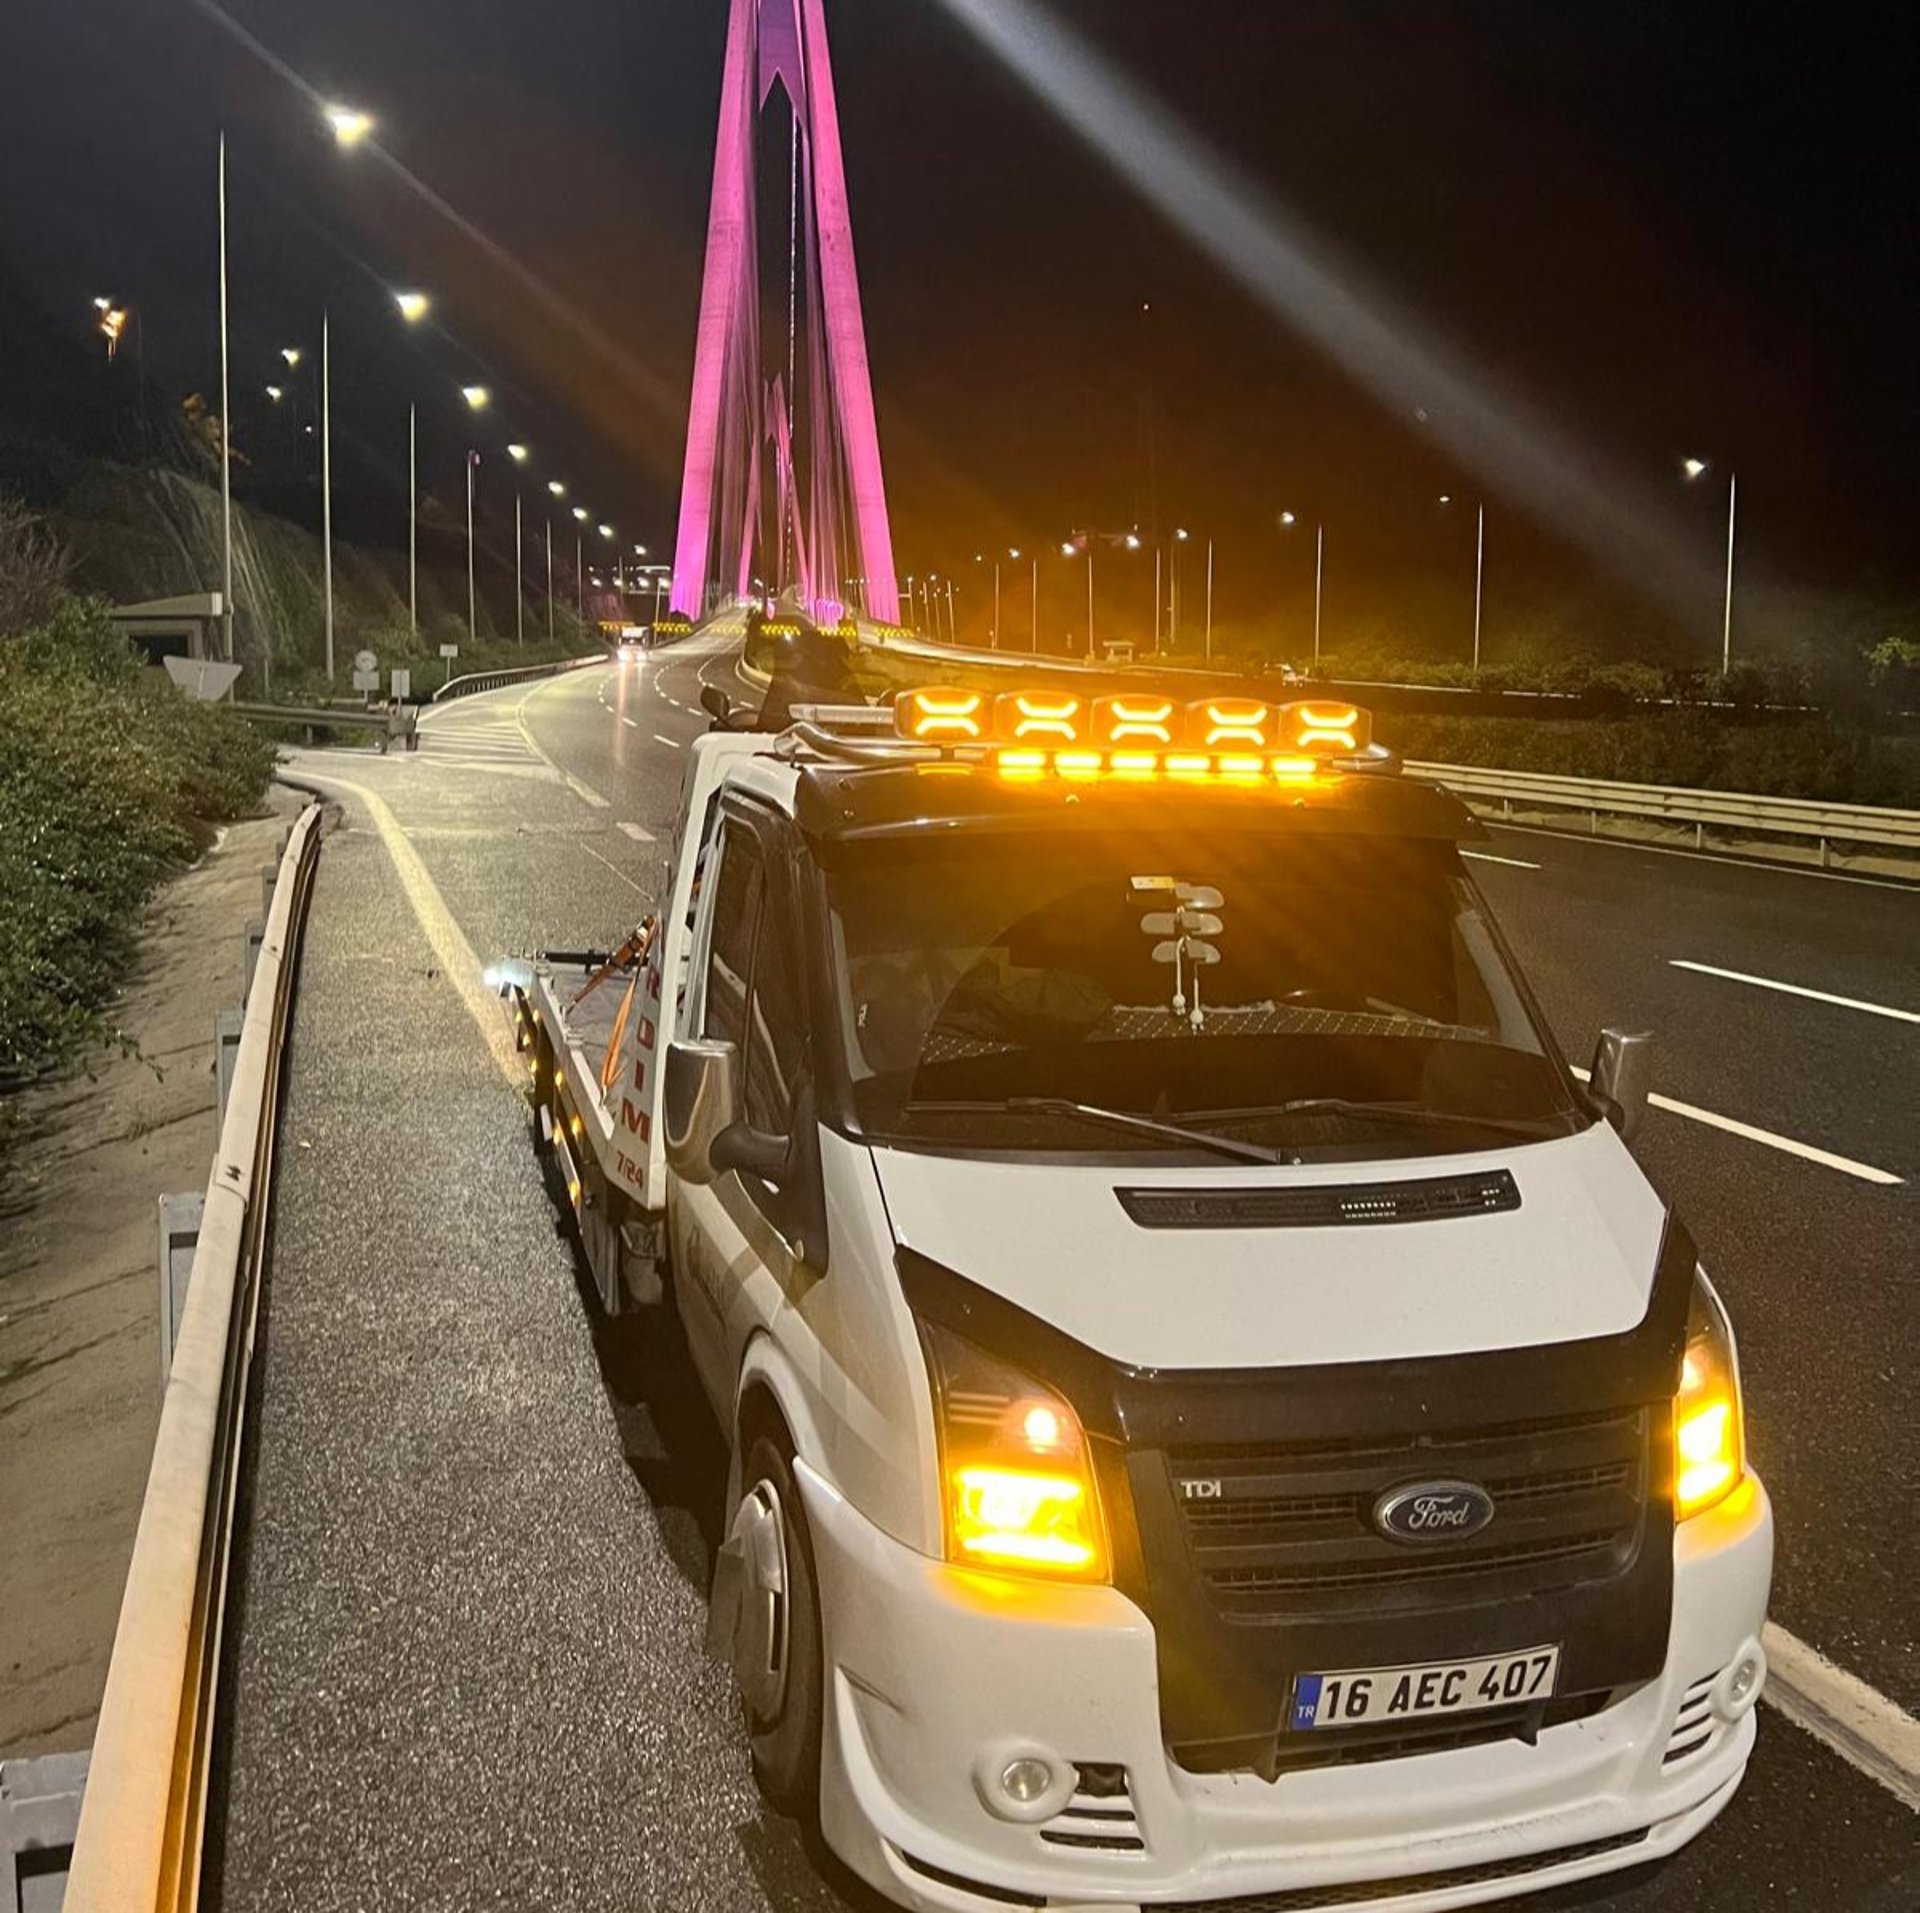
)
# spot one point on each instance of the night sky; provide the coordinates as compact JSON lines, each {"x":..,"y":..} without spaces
{"x":1673,"y":229}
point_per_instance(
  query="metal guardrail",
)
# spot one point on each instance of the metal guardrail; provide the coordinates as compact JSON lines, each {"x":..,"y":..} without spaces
{"x":1701,"y":811}
{"x":476,"y":681}
{"x":142,"y":1820}
{"x":331,"y":717}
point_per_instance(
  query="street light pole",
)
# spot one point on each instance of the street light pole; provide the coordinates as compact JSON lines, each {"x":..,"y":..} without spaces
{"x":1036,"y":607}
{"x":996,"y":604}
{"x":1319,"y":572}
{"x":326,"y":476}
{"x":1726,"y":626}
{"x":519,"y":588}
{"x":549,"y":577}
{"x":473,"y":626}
{"x":413,"y":519}
{"x":1479,"y":578}
{"x":1209,"y":650}
{"x":226,"y":447}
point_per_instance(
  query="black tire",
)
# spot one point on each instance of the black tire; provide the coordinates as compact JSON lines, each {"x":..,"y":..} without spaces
{"x":786,"y":1747}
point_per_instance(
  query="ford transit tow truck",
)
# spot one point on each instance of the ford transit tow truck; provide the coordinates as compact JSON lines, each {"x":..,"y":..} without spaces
{"x":1219,"y":1418}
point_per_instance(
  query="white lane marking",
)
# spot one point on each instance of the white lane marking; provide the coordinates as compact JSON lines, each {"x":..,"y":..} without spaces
{"x":638,"y":835}
{"x":1747,"y":1132}
{"x":1487,"y":857}
{"x":614,"y":867}
{"x":1858,"y":1722}
{"x":1796,"y":989}
{"x":585,"y":792}
{"x":632,"y":723}
{"x":672,"y":743}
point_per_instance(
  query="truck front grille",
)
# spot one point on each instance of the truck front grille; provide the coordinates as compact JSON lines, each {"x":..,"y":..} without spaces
{"x":1288,"y":1529}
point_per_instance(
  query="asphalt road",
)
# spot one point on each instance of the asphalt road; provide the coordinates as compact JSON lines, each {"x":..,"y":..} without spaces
{"x":465,"y":1667}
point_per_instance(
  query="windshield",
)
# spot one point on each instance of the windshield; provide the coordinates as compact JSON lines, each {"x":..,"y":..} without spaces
{"x":1319,"y":996}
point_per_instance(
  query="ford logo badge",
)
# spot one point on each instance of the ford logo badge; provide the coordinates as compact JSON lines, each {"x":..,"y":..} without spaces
{"x":1433,"y":1511}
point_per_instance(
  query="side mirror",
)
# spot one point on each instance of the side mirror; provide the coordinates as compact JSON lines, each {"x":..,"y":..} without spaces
{"x":1623,"y":1077}
{"x":700,"y":1102}
{"x":714,"y":702}
{"x":745,"y":1148}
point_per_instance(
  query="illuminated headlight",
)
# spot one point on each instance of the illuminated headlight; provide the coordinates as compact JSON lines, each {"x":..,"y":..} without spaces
{"x":1709,"y":1443}
{"x":1016,"y":1476}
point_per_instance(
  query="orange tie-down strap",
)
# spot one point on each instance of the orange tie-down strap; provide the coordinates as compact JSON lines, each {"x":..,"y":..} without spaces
{"x":632,"y":953}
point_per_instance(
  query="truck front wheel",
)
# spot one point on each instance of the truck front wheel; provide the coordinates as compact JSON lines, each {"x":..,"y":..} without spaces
{"x":784,"y":1714}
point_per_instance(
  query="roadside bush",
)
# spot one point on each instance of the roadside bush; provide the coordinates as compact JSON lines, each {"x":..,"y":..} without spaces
{"x":109,"y":778}
{"x":1696,"y":749}
{"x":33,"y":568}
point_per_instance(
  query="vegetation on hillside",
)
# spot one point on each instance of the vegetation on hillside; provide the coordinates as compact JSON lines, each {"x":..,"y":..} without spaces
{"x":109,"y":780}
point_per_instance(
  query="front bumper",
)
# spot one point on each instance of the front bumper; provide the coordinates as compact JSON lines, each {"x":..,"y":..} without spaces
{"x":938,"y":1677}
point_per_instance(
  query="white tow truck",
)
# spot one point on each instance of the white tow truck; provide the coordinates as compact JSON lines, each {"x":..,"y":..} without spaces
{"x":1219,"y":1418}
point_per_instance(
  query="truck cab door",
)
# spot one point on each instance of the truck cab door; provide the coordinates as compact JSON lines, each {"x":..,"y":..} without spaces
{"x":739,"y":1241}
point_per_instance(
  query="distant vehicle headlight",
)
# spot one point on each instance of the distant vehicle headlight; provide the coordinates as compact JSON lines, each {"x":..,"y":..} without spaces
{"x":1709,"y":1443}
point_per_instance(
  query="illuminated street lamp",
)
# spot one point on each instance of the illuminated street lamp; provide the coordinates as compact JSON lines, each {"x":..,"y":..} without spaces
{"x":1697,"y":468}
{"x":477,"y":400}
{"x":606,"y":531}
{"x":1479,"y":567}
{"x":350,"y":125}
{"x":276,"y":393}
{"x":1288,"y":519}
{"x":556,"y":488}
{"x":292,"y":354}
{"x":413,"y":306}
{"x":581,"y":513}
{"x":519,"y":454}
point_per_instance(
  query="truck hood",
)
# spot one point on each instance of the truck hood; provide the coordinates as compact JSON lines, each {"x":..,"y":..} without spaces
{"x":1575,"y":1259}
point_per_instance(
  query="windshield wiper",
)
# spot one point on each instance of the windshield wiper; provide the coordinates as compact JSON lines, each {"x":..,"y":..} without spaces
{"x":1111,"y":1119}
{"x":1392,"y":1112}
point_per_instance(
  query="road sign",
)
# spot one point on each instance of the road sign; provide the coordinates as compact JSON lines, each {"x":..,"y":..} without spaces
{"x":202,"y":678}
{"x":365,"y":661}
{"x":366,"y":680}
{"x":402,"y":683}
{"x":449,"y":650}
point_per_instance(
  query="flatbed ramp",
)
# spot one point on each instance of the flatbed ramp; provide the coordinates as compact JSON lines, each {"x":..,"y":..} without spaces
{"x":463,"y":1662}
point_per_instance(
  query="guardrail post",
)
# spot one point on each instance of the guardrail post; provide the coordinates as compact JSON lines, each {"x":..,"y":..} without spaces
{"x":1825,"y":859}
{"x":39,"y":1814}
{"x":256,"y":935}
{"x":227,"y":1025}
{"x":268,"y":872}
{"x":179,"y":1236}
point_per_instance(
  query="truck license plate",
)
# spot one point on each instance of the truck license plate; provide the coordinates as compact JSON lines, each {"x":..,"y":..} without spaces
{"x":1366,"y":1696}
